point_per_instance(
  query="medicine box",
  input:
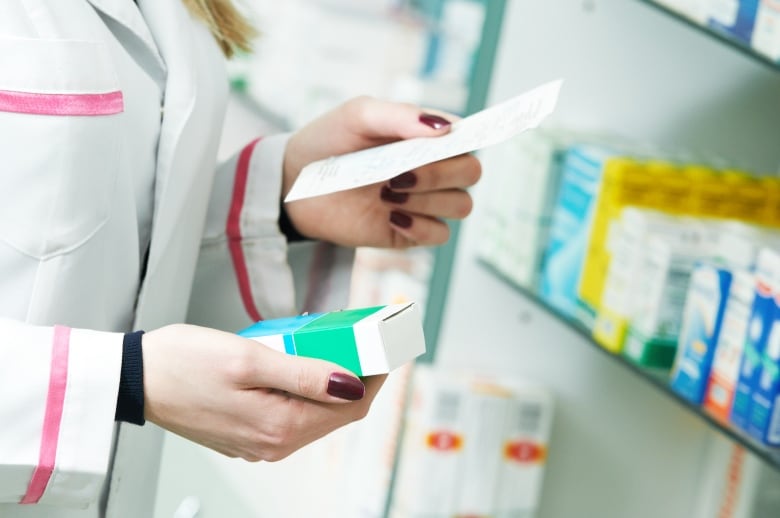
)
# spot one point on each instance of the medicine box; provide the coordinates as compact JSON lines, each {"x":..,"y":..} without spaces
{"x":762,"y":314}
{"x":366,"y":341}
{"x":764,"y":416}
{"x":735,"y":18}
{"x":473,"y":446}
{"x":719,"y":395}
{"x":705,"y":306}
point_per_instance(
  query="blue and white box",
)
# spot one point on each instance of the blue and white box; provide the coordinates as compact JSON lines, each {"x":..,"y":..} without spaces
{"x":705,"y":306}
{"x":764,"y":421}
{"x":570,"y":227}
{"x":762,"y":316}
{"x":734,"y":18}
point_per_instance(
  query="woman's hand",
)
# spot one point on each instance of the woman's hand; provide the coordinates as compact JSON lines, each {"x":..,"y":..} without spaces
{"x":242,"y":399}
{"x":405,"y":211}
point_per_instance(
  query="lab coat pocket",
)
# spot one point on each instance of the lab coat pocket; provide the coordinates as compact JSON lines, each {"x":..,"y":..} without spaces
{"x":60,"y":107}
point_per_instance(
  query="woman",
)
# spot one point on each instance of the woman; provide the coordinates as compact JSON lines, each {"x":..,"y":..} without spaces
{"x":116,"y":217}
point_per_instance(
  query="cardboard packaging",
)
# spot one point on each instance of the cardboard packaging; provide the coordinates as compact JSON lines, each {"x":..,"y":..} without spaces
{"x":728,"y":351}
{"x":366,"y":341}
{"x":705,"y":307}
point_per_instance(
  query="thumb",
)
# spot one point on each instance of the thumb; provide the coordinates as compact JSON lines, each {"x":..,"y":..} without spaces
{"x":307,"y":377}
{"x":378,"y":119}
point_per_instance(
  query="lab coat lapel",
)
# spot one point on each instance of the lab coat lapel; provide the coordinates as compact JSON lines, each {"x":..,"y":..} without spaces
{"x":126,"y":14}
{"x":194,"y":105}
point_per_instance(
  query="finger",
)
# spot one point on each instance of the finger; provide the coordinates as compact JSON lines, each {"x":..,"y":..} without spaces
{"x":306,"y":377}
{"x":416,"y":229}
{"x":458,"y":172}
{"x":452,"y":203}
{"x":377,"y":119}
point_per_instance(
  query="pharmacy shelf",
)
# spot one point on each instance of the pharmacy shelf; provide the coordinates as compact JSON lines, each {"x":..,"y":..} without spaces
{"x":719,"y":36}
{"x":659,"y":380}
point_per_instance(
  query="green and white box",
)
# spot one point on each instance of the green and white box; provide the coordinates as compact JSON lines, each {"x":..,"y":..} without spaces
{"x":366,"y":341}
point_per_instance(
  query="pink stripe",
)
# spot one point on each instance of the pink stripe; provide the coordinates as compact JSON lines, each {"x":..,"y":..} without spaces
{"x":58,"y":378}
{"x":233,"y":231}
{"x":62,"y":104}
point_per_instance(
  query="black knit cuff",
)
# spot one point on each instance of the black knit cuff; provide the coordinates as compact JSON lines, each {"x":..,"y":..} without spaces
{"x":287,"y":228}
{"x":130,"y":400}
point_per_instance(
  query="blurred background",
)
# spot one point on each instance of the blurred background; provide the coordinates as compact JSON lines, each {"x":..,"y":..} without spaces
{"x":601,"y":332}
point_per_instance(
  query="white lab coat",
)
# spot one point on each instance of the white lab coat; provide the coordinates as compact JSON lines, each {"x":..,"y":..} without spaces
{"x":72,"y":253}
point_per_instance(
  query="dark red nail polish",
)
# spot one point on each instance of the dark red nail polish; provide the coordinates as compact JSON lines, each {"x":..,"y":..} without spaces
{"x":344,"y":386}
{"x":393,"y":196}
{"x":434,"y":121}
{"x":400,"y":219}
{"x":404,"y":181}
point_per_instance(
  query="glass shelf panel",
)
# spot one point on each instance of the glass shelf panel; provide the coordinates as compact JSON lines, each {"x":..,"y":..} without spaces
{"x":658,"y":379}
{"x":724,"y":38}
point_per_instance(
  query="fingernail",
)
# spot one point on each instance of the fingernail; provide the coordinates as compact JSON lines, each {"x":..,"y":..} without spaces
{"x":434,"y":121}
{"x":344,"y":386}
{"x":400,"y":219}
{"x":393,"y":196}
{"x":404,"y":181}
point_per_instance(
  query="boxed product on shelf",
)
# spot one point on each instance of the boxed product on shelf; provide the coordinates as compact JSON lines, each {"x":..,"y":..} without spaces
{"x":762,"y":315}
{"x":675,"y":189}
{"x":735,"y":18}
{"x":663,"y":280}
{"x":653,"y":184}
{"x":766,"y":33}
{"x":472,"y":447}
{"x":705,"y":306}
{"x":664,"y":283}
{"x":764,"y":416}
{"x":366,"y":341}
{"x":521,"y":183}
{"x":431,"y":447}
{"x":735,"y":248}
{"x":719,"y":395}
{"x":626,"y":245}
{"x":571,"y":223}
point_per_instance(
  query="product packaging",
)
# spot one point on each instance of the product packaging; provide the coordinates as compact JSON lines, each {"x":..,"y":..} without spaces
{"x":473,"y":447}
{"x":705,"y":306}
{"x":735,"y":18}
{"x":719,"y":395}
{"x":762,"y":315}
{"x":366,"y":341}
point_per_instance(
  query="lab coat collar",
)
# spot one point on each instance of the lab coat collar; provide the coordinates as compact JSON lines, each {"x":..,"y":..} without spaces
{"x":128,"y":15}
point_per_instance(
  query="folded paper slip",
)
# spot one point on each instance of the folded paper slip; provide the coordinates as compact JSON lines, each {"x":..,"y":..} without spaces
{"x":366,"y":341}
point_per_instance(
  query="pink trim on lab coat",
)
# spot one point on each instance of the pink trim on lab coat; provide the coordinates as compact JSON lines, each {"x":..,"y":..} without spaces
{"x":61,"y":104}
{"x":233,"y":231}
{"x":58,"y":378}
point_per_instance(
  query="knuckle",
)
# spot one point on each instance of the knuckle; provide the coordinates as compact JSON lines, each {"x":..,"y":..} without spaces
{"x":465,"y":206}
{"x":307,"y":383}
{"x":241,"y":366}
{"x":474,"y":170}
{"x":358,"y":107}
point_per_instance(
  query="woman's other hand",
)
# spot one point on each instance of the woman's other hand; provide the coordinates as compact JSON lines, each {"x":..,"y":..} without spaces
{"x":243,"y":399}
{"x":409,"y":209}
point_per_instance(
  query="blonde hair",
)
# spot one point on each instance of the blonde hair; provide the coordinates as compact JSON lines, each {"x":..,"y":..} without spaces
{"x":229,"y":27}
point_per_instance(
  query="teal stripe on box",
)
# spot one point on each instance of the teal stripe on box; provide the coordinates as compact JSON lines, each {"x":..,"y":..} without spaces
{"x":278,"y":326}
{"x":289,"y":344}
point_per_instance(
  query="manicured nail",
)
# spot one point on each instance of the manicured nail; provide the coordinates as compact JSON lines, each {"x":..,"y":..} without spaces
{"x":393,"y":196}
{"x":434,"y":121}
{"x":344,"y":386}
{"x":400,"y":219}
{"x":404,"y":181}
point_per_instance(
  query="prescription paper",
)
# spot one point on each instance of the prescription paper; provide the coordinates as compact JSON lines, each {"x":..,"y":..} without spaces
{"x":378,"y":164}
